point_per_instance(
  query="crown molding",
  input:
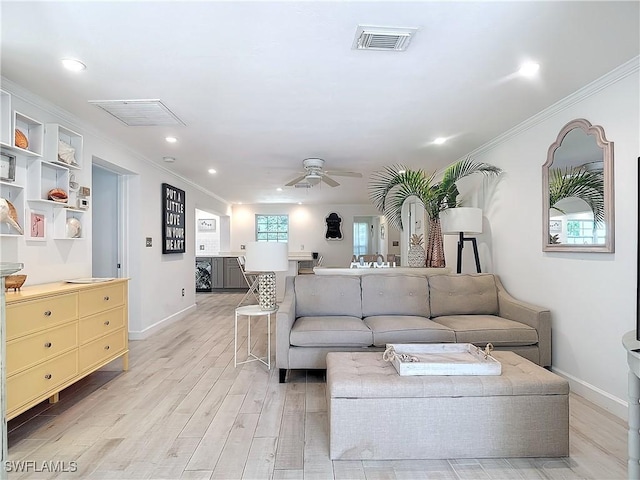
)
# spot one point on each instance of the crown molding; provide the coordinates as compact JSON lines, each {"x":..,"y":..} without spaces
{"x":75,"y":123}
{"x":619,"y":73}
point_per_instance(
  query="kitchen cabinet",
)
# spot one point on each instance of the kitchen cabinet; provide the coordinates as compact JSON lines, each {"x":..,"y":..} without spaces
{"x":218,"y":273}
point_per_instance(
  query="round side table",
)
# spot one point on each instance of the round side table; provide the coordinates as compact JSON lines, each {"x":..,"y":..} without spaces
{"x":252,"y":311}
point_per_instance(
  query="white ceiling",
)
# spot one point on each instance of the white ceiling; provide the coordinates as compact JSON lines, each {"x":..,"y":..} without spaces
{"x":263,"y":85}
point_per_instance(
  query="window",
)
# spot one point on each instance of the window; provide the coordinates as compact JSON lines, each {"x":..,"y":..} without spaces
{"x":584,"y":232}
{"x":272,"y":228}
{"x":360,"y":238}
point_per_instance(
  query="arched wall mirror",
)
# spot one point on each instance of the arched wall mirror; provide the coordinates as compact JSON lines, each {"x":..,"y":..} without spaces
{"x":577,"y":195}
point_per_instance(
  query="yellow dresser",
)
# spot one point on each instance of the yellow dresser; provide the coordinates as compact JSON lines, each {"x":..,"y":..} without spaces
{"x":58,"y":333}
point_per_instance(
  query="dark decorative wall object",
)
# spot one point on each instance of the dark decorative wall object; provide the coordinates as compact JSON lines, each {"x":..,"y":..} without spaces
{"x":334,"y":227}
{"x":173,"y":219}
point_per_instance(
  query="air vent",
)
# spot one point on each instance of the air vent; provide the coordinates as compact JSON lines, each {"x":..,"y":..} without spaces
{"x":139,"y":113}
{"x":303,"y":185}
{"x":382,"y":38}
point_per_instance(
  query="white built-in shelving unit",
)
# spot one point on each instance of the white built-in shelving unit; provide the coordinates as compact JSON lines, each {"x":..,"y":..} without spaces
{"x":38,"y":169}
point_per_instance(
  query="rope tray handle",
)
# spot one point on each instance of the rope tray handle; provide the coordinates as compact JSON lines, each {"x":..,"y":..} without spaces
{"x":487,"y":351}
{"x":390,"y":354}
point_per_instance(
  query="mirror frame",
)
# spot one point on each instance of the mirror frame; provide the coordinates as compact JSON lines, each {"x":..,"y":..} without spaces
{"x":607,"y":154}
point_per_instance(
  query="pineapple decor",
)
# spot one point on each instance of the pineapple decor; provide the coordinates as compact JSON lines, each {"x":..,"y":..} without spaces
{"x":417,"y":257}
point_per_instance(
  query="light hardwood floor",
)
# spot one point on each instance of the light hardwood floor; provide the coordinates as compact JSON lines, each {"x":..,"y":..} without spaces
{"x":183,"y":411}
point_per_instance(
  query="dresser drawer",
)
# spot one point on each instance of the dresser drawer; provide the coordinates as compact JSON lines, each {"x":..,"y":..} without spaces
{"x":101,"y":324}
{"x":25,"y":352}
{"x":24,"y":318}
{"x":98,"y":300}
{"x":102,"y":349}
{"x":38,"y":381}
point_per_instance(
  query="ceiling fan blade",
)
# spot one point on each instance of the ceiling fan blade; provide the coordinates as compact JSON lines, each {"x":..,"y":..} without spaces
{"x":295,"y":180}
{"x":339,"y":173}
{"x":329,"y":181}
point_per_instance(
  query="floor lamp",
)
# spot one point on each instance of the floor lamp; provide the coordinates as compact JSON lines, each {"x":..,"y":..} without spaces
{"x":463,"y":221}
{"x":265,"y":258}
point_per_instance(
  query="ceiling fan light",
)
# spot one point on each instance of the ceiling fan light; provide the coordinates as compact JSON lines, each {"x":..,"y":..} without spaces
{"x":313,"y":179}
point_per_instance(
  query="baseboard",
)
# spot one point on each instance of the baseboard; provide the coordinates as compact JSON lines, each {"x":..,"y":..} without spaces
{"x":613,"y":405}
{"x":147,"y":332}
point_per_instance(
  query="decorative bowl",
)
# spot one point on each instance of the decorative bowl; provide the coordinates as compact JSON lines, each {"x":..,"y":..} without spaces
{"x":14,"y":281}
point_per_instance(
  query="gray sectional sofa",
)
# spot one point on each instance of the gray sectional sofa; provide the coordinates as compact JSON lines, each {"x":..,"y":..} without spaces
{"x":338,"y":313}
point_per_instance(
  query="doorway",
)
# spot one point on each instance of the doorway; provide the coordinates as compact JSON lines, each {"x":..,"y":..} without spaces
{"x":105,"y":195}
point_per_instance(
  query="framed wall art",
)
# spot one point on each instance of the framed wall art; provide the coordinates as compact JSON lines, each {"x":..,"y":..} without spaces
{"x":207,"y":225}
{"x":36,"y":225}
{"x":7,"y":167}
{"x":173,"y":219}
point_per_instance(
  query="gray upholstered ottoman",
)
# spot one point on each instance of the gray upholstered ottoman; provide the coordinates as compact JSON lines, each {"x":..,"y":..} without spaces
{"x":375,"y":414}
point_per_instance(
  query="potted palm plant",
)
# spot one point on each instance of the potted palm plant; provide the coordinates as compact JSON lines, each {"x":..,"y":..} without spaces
{"x":391,"y":187}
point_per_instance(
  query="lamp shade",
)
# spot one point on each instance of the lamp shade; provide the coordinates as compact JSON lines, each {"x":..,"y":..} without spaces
{"x":267,"y":257}
{"x":461,"y":219}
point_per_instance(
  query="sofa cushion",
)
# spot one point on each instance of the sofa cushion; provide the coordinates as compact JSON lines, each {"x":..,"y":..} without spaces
{"x":407,"y":329}
{"x":328,"y":295}
{"x":463,"y":295}
{"x":395,"y":295}
{"x":330,"y":331}
{"x":481,"y":329}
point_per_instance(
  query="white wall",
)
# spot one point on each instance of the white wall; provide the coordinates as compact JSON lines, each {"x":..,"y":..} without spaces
{"x":157,"y":280}
{"x":306,"y":228}
{"x":591,"y":295}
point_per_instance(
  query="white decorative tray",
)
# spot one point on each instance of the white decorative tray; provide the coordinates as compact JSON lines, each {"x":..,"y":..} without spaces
{"x":89,"y":280}
{"x":442,"y":359}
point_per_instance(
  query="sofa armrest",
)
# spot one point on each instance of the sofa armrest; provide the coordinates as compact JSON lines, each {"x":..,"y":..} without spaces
{"x":285,"y":317}
{"x":529,"y":314}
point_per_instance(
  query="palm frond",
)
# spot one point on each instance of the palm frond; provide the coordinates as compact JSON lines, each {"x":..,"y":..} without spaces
{"x":389,"y":189}
{"x":581,"y":183}
{"x":447,"y":189}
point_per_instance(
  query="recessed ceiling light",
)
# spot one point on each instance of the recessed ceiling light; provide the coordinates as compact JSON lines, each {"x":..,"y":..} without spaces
{"x":529,"y":69}
{"x":212,"y":171}
{"x":73,"y":65}
{"x":169,"y":159}
{"x":440,"y":140}
{"x":279,"y":189}
{"x":171,"y":139}
{"x":299,"y":203}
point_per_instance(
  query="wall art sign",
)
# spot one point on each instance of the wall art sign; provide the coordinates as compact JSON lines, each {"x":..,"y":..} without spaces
{"x":334,"y":226}
{"x":173,"y":219}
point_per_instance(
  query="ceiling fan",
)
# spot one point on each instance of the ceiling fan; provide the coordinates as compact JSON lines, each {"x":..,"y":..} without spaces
{"x":314,"y":173}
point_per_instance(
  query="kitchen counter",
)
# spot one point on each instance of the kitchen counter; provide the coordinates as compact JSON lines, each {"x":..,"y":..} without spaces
{"x":293,"y":256}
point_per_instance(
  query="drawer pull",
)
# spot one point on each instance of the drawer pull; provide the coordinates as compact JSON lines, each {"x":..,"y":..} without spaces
{"x":48,"y":376}
{"x":106,"y":347}
{"x":106,"y":322}
{"x":48,"y":345}
{"x":47,"y":313}
{"x":106,"y":298}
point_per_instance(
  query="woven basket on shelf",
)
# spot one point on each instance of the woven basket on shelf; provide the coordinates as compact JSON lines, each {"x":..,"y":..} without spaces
{"x":21,"y":140}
